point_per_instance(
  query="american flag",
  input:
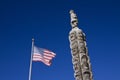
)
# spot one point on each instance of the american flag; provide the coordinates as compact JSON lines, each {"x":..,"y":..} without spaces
{"x":43,"y":55}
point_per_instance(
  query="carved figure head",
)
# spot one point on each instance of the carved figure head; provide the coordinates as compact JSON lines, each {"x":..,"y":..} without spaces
{"x":74,"y":20}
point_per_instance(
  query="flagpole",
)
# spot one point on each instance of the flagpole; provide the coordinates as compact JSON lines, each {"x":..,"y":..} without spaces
{"x":32,"y":50}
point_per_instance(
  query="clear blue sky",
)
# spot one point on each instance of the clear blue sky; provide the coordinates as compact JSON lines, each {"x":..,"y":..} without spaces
{"x":48,"y":22}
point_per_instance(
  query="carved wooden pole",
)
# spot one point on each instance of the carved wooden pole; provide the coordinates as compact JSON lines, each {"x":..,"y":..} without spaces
{"x":80,"y":58}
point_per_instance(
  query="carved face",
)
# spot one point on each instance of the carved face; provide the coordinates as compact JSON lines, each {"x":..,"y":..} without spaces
{"x":78,"y":78}
{"x":80,"y":33}
{"x":81,"y":44}
{"x":72,"y":36}
{"x":87,"y":76}
{"x":74,"y":50}
{"x":74,"y":44}
{"x":74,"y":23}
{"x":80,"y":36}
{"x":84,"y":59}
{"x":82,"y":50}
{"x":76,"y":67}
{"x":75,"y":59}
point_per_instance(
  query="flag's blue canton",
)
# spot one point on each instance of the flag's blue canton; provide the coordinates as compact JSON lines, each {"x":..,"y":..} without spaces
{"x":38,"y":50}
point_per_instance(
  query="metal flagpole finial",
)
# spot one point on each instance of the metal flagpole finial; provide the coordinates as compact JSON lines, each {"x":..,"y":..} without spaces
{"x":33,"y":39}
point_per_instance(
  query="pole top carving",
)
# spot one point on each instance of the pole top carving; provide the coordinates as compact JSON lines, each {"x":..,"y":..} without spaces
{"x":74,"y":20}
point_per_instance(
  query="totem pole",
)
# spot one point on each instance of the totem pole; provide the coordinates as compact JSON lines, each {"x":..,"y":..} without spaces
{"x":79,"y":51}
